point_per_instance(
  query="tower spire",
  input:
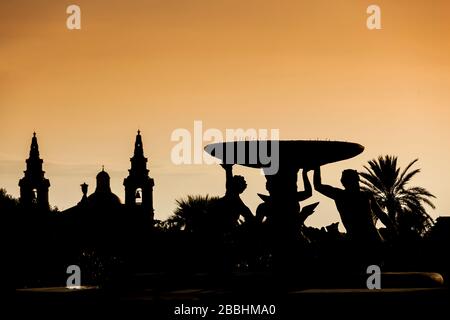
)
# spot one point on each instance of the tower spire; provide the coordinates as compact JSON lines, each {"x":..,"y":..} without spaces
{"x":138,"y":148}
{"x":34,"y":186}
{"x":138,"y":184}
{"x":34,"y":148}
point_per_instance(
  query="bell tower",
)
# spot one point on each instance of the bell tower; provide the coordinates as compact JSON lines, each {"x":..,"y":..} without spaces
{"x":34,"y":186}
{"x":138,"y":184}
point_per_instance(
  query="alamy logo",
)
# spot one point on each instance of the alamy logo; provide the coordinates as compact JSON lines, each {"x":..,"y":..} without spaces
{"x":73,"y":21}
{"x":250,"y":146}
{"x":374,"y":280}
{"x":74,"y":280}
{"x":374,"y":20}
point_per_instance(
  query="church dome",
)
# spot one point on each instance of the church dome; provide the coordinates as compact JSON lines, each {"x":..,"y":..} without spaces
{"x":103,"y":197}
{"x":103,"y":176}
{"x":103,"y":180}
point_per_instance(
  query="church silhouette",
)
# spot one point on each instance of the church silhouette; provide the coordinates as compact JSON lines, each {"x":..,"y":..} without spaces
{"x":34,"y":187}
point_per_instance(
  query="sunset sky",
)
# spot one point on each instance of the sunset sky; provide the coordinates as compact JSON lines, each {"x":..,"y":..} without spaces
{"x":311,"y":69}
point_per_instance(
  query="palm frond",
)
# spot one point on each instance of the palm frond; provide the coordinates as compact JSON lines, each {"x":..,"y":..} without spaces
{"x":405,"y":178}
{"x":404,"y":172}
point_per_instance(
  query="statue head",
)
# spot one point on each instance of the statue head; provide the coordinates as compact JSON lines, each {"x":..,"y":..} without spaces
{"x":350,"y":179}
{"x":239,"y":184}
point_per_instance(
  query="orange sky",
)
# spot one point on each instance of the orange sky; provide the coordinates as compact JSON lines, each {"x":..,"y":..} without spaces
{"x":308,"y":68}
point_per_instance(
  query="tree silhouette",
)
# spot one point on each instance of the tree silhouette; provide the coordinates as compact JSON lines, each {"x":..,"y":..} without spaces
{"x":192,"y":214}
{"x":7,"y":202}
{"x":389,"y":185}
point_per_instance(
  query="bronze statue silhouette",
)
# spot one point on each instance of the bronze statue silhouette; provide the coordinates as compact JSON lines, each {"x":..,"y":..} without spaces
{"x":267,"y":211}
{"x":356,"y":208}
{"x":230,"y":208}
{"x":280,"y":161}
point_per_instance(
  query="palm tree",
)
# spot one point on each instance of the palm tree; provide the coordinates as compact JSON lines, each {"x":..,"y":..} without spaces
{"x":389,"y":185}
{"x":192,"y":213}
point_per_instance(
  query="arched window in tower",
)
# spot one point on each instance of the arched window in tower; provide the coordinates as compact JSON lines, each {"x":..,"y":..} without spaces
{"x":138,"y":196}
{"x":34,"y":195}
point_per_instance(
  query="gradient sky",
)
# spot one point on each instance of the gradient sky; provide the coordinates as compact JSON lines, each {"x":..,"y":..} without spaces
{"x":308,"y":68}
